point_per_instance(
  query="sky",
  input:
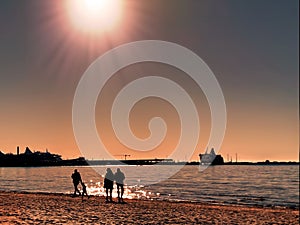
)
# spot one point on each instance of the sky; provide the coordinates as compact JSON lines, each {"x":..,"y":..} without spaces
{"x":251,"y":47}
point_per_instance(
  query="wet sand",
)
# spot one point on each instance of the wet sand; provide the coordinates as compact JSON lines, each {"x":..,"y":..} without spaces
{"x":39,"y":208}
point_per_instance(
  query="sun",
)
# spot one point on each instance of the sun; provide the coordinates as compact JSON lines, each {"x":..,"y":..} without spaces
{"x":94,"y":16}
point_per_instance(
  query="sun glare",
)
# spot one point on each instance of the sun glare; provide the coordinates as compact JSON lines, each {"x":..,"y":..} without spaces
{"x":94,"y":16}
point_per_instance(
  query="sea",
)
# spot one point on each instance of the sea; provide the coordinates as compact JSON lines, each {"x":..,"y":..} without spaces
{"x":251,"y":185}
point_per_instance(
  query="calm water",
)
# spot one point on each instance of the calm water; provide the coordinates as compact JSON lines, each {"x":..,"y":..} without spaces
{"x":250,"y":185}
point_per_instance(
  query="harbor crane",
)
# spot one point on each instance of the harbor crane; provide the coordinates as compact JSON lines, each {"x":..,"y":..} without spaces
{"x":124,"y":155}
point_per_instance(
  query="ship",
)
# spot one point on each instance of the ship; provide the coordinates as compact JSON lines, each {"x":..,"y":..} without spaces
{"x":211,"y":158}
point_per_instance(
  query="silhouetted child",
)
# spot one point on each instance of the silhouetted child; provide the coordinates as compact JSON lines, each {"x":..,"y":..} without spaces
{"x":84,"y":192}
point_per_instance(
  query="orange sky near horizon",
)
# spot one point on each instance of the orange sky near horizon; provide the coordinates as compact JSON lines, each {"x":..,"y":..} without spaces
{"x":255,"y":131}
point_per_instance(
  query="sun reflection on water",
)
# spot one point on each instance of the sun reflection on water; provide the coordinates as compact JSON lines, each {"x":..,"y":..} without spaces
{"x":130,"y":192}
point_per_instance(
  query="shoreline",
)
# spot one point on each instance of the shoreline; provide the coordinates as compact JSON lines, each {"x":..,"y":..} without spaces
{"x":58,"y":208}
{"x":183,"y":201}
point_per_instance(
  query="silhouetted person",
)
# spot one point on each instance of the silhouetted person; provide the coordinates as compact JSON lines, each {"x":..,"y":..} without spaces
{"x":84,"y":192}
{"x":76,"y":180}
{"x":119,"y":178}
{"x":109,"y":184}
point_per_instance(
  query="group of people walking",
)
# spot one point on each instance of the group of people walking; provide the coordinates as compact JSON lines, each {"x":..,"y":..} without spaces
{"x":109,"y":179}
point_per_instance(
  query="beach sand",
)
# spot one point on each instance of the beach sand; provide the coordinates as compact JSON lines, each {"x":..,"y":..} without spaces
{"x":39,"y":208}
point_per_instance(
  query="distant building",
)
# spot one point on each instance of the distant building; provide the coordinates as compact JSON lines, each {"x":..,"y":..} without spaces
{"x":30,"y":158}
{"x":27,"y":151}
{"x":211,"y":158}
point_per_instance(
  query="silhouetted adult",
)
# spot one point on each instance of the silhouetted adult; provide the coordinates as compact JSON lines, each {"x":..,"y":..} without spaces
{"x":76,"y":180}
{"x":109,"y":184}
{"x":119,"y":178}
